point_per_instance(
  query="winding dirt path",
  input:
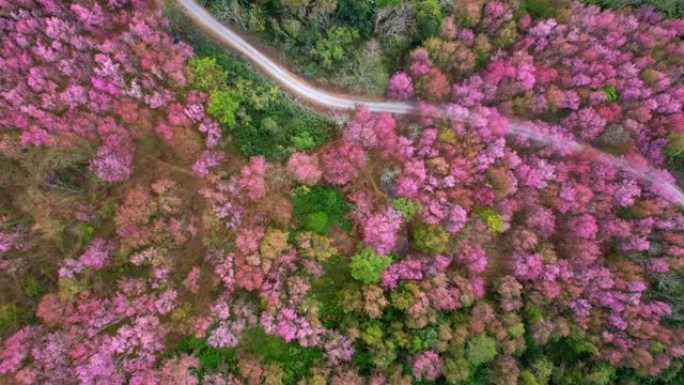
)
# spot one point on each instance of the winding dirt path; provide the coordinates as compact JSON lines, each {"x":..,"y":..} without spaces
{"x":314,"y":96}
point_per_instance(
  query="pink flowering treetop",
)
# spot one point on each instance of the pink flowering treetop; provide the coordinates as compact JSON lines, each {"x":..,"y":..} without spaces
{"x":252,"y":178}
{"x":380,"y":230}
{"x":400,"y":86}
{"x":304,"y":168}
{"x":340,"y":164}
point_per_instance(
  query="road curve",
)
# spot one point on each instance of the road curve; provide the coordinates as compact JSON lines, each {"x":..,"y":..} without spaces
{"x":286,"y":79}
{"x":308,"y":93}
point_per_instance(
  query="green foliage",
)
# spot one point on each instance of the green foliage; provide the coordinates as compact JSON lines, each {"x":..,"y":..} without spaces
{"x":527,"y":378}
{"x":424,"y":339}
{"x":358,"y":14}
{"x":295,"y":361}
{"x":279,"y":132}
{"x":611,"y":93}
{"x":669,"y":8}
{"x":675,"y":144}
{"x":366,"y":266}
{"x":335,"y":46}
{"x":84,"y":232}
{"x":583,"y":346}
{"x":11,"y":318}
{"x":362,"y":358}
{"x":601,"y":374}
{"x":309,"y":203}
{"x":543,"y":9}
{"x":69,"y":238}
{"x":364,"y":71}
{"x":303,"y":141}
{"x":223,"y":105}
{"x":429,"y":18}
{"x":205,"y":74}
{"x":431,"y":239}
{"x":317,"y":222}
{"x":371,"y":333}
{"x":34,"y":288}
{"x":383,"y":3}
{"x":480,"y":349}
{"x":408,"y":208}
{"x":328,"y":289}
{"x":315,"y":37}
{"x":491,"y":218}
{"x":384,"y":354}
{"x":401,"y":298}
{"x":263,"y":120}
{"x":210,"y":359}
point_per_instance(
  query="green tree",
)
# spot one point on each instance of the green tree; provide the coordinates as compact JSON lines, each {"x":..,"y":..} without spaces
{"x":429,"y":18}
{"x":205,"y":74}
{"x":493,"y":219}
{"x":406,"y":207}
{"x":601,"y":374}
{"x":223,"y":105}
{"x":456,"y":369}
{"x":358,"y":14}
{"x":371,"y":333}
{"x":334,"y":47}
{"x":480,"y":349}
{"x":431,"y":239}
{"x":366,"y":266}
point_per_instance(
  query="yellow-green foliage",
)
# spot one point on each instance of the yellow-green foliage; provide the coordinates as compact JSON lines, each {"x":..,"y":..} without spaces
{"x":366,"y":266}
{"x":222,"y":106}
{"x":492,"y":219}
{"x":406,"y":207}
{"x":205,"y":74}
{"x":314,"y":246}
{"x":273,"y":243}
{"x":675,"y":144}
{"x":431,"y":239}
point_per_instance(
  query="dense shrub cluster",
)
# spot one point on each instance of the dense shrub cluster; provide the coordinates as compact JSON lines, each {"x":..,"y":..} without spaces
{"x":434,"y":251}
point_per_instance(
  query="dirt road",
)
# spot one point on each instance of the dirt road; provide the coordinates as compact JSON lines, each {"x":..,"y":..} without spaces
{"x":306,"y":92}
